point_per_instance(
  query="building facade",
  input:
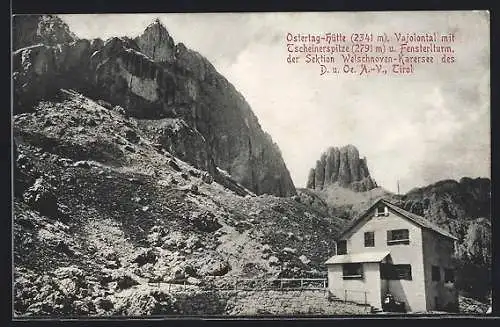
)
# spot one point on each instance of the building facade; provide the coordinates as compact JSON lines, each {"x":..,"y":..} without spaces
{"x":390,"y":250}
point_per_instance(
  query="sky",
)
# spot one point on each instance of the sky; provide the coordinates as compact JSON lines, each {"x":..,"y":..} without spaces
{"x":418,"y":129}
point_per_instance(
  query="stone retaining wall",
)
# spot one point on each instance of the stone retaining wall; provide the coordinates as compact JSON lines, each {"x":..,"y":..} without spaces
{"x":272,"y":302}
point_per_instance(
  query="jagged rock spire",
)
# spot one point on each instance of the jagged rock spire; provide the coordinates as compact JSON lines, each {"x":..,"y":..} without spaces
{"x":341,"y":166}
{"x":156,"y":42}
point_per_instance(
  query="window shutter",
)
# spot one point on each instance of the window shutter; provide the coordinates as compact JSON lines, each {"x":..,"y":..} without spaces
{"x":386,"y":211}
{"x":436,"y":273}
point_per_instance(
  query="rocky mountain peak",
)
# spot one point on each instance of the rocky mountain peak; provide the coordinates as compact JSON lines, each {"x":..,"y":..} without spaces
{"x":157,"y":27}
{"x":156,"y":42}
{"x":341,"y":166}
{"x":151,"y":78}
{"x":46,"y":29}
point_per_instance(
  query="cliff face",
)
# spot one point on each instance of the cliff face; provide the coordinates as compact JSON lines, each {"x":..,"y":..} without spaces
{"x":341,"y":166}
{"x":462,"y":200}
{"x":32,"y":29}
{"x":153,"y":78}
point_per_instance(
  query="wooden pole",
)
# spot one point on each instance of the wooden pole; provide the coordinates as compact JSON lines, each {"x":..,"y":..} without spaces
{"x":345,"y":295}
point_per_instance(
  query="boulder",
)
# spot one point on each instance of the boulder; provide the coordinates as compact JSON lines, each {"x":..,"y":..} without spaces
{"x":207,"y":178}
{"x":104,"y":303}
{"x":194,"y":188}
{"x":304,"y":259}
{"x":173,"y":164}
{"x":273,"y":261}
{"x":193,"y":281}
{"x":123,"y":279}
{"x":40,"y":196}
{"x":104,"y":104}
{"x":82,"y":164}
{"x":63,"y":246}
{"x":155,"y":239}
{"x":213,"y":266}
{"x":204,"y":221}
{"x":132,"y":136}
{"x":146,"y":256}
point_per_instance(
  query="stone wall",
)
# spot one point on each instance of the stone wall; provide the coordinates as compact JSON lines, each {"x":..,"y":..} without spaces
{"x":271,"y":302}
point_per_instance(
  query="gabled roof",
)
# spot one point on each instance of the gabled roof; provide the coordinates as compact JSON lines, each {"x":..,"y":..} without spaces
{"x":358,"y":257}
{"x":419,"y":220}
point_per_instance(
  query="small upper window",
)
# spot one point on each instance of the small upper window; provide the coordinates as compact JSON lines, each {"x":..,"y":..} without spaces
{"x":341,"y":247}
{"x":436,"y":274}
{"x":369,"y":239}
{"x":398,"y":236}
{"x":381,"y":210}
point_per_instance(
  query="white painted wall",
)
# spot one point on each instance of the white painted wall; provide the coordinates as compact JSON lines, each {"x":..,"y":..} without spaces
{"x":412,"y":292}
{"x":356,"y":289}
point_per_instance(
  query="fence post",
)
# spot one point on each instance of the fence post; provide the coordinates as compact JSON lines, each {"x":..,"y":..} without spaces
{"x":281,"y":284}
{"x":301,"y":283}
{"x":324,"y":283}
{"x":169,"y":286}
{"x":345,"y":295}
{"x":366,"y":302}
{"x":235,"y":284}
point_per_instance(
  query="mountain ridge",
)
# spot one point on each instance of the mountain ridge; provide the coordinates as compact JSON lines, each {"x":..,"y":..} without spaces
{"x":181,"y":84}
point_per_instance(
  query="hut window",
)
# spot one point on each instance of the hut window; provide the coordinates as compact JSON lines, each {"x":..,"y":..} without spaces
{"x":352,"y":270}
{"x":398,"y":236}
{"x":341,"y":247}
{"x":395,"y":272}
{"x":369,"y":239}
{"x":381,"y":210}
